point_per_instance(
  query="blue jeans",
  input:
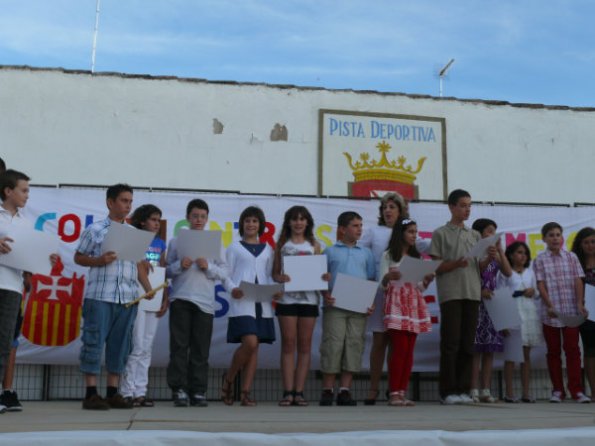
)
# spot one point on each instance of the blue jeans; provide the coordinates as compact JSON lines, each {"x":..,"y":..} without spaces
{"x":110,"y":324}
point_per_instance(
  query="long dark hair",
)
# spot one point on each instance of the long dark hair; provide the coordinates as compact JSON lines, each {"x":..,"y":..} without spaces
{"x":397,"y":240}
{"x":293,"y":213}
{"x":578,"y":240}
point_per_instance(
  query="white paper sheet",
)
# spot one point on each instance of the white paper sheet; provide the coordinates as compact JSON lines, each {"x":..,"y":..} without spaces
{"x":260,"y":293}
{"x":513,"y":347}
{"x":354,"y":294}
{"x":414,"y":270}
{"x":503,"y":309}
{"x":127,"y":242}
{"x":305,"y":272}
{"x":196,"y":244}
{"x":590,"y":301}
{"x":480,"y":248}
{"x":156,"y":278}
{"x":31,"y":249}
{"x":571,"y":320}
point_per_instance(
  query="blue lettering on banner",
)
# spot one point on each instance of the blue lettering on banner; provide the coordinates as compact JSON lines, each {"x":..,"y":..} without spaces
{"x":348,"y":129}
{"x":401,"y":132}
{"x":219,"y":289}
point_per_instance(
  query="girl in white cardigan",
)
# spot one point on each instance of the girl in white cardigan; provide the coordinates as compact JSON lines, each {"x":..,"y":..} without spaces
{"x":250,"y":322}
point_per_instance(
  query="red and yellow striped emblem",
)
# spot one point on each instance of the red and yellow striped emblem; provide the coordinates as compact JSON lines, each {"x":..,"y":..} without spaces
{"x":53,"y":310}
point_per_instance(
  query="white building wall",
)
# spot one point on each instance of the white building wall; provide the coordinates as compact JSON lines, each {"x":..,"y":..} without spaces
{"x":75,"y":128}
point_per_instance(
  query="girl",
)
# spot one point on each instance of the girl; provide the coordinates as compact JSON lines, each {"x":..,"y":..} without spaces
{"x":405,"y":310}
{"x":584,"y":248}
{"x":522,"y":281}
{"x":297,"y":312}
{"x":250,"y":323}
{"x":392,"y":207}
{"x":487,"y":339}
{"x":136,"y":376}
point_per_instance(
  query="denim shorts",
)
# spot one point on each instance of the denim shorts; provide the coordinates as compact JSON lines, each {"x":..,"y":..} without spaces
{"x":110,"y":324}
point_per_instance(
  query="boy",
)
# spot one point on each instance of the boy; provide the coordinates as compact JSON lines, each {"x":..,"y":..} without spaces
{"x":558,"y":275}
{"x":14,"y":192}
{"x":459,"y":291}
{"x":344,"y":331}
{"x":111,"y":284}
{"x":191,"y":315}
{"x":9,"y":397}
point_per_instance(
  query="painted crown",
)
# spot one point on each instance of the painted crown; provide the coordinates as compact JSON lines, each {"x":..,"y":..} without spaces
{"x":394,"y":170}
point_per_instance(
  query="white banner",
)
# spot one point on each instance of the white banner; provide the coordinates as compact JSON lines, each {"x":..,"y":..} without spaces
{"x":52,"y":310}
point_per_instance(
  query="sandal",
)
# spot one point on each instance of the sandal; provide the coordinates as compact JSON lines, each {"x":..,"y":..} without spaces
{"x":287,"y":399}
{"x":299,"y":400}
{"x":141,"y":401}
{"x":372,"y":401}
{"x":246,"y":401}
{"x":227,"y":391}
{"x":396,"y":399}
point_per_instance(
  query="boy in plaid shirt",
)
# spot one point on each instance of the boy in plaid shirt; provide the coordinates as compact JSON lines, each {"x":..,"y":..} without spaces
{"x":558,"y":274}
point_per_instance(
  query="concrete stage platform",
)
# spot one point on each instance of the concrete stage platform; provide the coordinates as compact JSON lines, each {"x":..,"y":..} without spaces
{"x":268,"y":418}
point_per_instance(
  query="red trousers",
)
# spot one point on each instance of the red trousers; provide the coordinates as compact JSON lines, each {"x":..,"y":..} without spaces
{"x":555,"y":339}
{"x":401,"y":359}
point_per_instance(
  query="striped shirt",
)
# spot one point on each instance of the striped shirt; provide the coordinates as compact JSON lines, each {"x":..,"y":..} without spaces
{"x":558,"y":272}
{"x":116,"y":282}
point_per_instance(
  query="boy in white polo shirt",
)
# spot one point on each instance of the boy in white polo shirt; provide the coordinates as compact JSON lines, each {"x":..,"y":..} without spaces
{"x":14,"y":192}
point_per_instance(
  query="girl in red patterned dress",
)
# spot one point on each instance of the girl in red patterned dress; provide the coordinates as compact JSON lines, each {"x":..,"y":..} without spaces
{"x":405,"y":310}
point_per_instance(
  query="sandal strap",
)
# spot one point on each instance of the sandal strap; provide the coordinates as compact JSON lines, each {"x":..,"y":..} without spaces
{"x":299,"y":400}
{"x":287,"y":399}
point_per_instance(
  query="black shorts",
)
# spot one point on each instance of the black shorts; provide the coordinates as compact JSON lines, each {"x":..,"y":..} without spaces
{"x":298,"y":310}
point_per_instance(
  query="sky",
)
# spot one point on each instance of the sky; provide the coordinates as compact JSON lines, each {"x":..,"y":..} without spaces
{"x":523,"y":51}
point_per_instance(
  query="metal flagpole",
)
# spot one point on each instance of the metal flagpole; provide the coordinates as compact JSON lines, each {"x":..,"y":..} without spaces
{"x":97,"y":5}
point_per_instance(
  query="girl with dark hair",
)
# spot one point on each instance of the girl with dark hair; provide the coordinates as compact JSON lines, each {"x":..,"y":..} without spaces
{"x":584,"y":248}
{"x":297,"y":311}
{"x":136,"y":376}
{"x":405,"y":310}
{"x":487,"y":339}
{"x":524,"y":286}
{"x":250,"y":323}
{"x":392,"y":207}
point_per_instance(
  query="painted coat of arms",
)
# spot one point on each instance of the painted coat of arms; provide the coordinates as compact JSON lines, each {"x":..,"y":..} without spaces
{"x":411,"y":156}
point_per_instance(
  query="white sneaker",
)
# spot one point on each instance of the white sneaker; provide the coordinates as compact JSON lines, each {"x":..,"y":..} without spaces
{"x":451,"y":400}
{"x":2,"y":408}
{"x":556,"y":397}
{"x":486,"y":396}
{"x":465,"y":399}
{"x":474,"y":394}
{"x":582,"y":398}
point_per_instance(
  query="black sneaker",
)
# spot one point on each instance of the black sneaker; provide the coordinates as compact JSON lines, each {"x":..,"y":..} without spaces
{"x":95,"y":402}
{"x":326,"y":399}
{"x":180,"y":398}
{"x":198,"y":400}
{"x":11,"y":401}
{"x":344,"y":399}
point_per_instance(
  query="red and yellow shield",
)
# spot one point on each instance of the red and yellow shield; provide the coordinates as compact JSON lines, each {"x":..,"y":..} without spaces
{"x":53,"y":309}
